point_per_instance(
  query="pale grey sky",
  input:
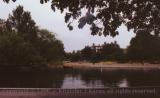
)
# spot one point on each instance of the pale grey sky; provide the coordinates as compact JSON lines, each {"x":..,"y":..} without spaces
{"x":54,"y":21}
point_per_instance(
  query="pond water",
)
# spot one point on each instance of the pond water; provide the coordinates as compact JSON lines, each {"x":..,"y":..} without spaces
{"x":80,"y":78}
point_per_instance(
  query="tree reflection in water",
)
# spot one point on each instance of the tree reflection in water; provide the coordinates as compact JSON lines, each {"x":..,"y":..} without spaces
{"x":32,"y":79}
{"x":80,"y":78}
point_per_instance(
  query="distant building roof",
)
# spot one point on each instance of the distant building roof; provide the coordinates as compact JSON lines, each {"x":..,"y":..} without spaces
{"x":96,"y":47}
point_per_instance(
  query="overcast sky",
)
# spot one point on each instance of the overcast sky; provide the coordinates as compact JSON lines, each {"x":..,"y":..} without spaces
{"x":54,"y":21}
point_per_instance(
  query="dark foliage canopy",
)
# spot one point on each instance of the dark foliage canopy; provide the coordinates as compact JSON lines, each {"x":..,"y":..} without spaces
{"x":23,"y":44}
{"x":87,"y":52}
{"x":105,"y":16}
{"x":144,"y":47}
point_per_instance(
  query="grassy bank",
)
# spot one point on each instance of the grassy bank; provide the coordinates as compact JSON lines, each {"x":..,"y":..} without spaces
{"x":113,"y":65}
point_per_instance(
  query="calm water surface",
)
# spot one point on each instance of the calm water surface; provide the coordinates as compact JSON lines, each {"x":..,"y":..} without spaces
{"x":80,"y":78}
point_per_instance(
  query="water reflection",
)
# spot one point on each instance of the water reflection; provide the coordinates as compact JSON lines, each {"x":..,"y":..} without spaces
{"x":31,"y":79}
{"x":73,"y":82}
{"x":80,"y":78}
{"x":123,"y":83}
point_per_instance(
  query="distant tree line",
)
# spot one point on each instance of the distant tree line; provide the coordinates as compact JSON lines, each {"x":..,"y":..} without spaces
{"x":145,"y":47}
{"x":107,"y":51}
{"x":25,"y":45}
